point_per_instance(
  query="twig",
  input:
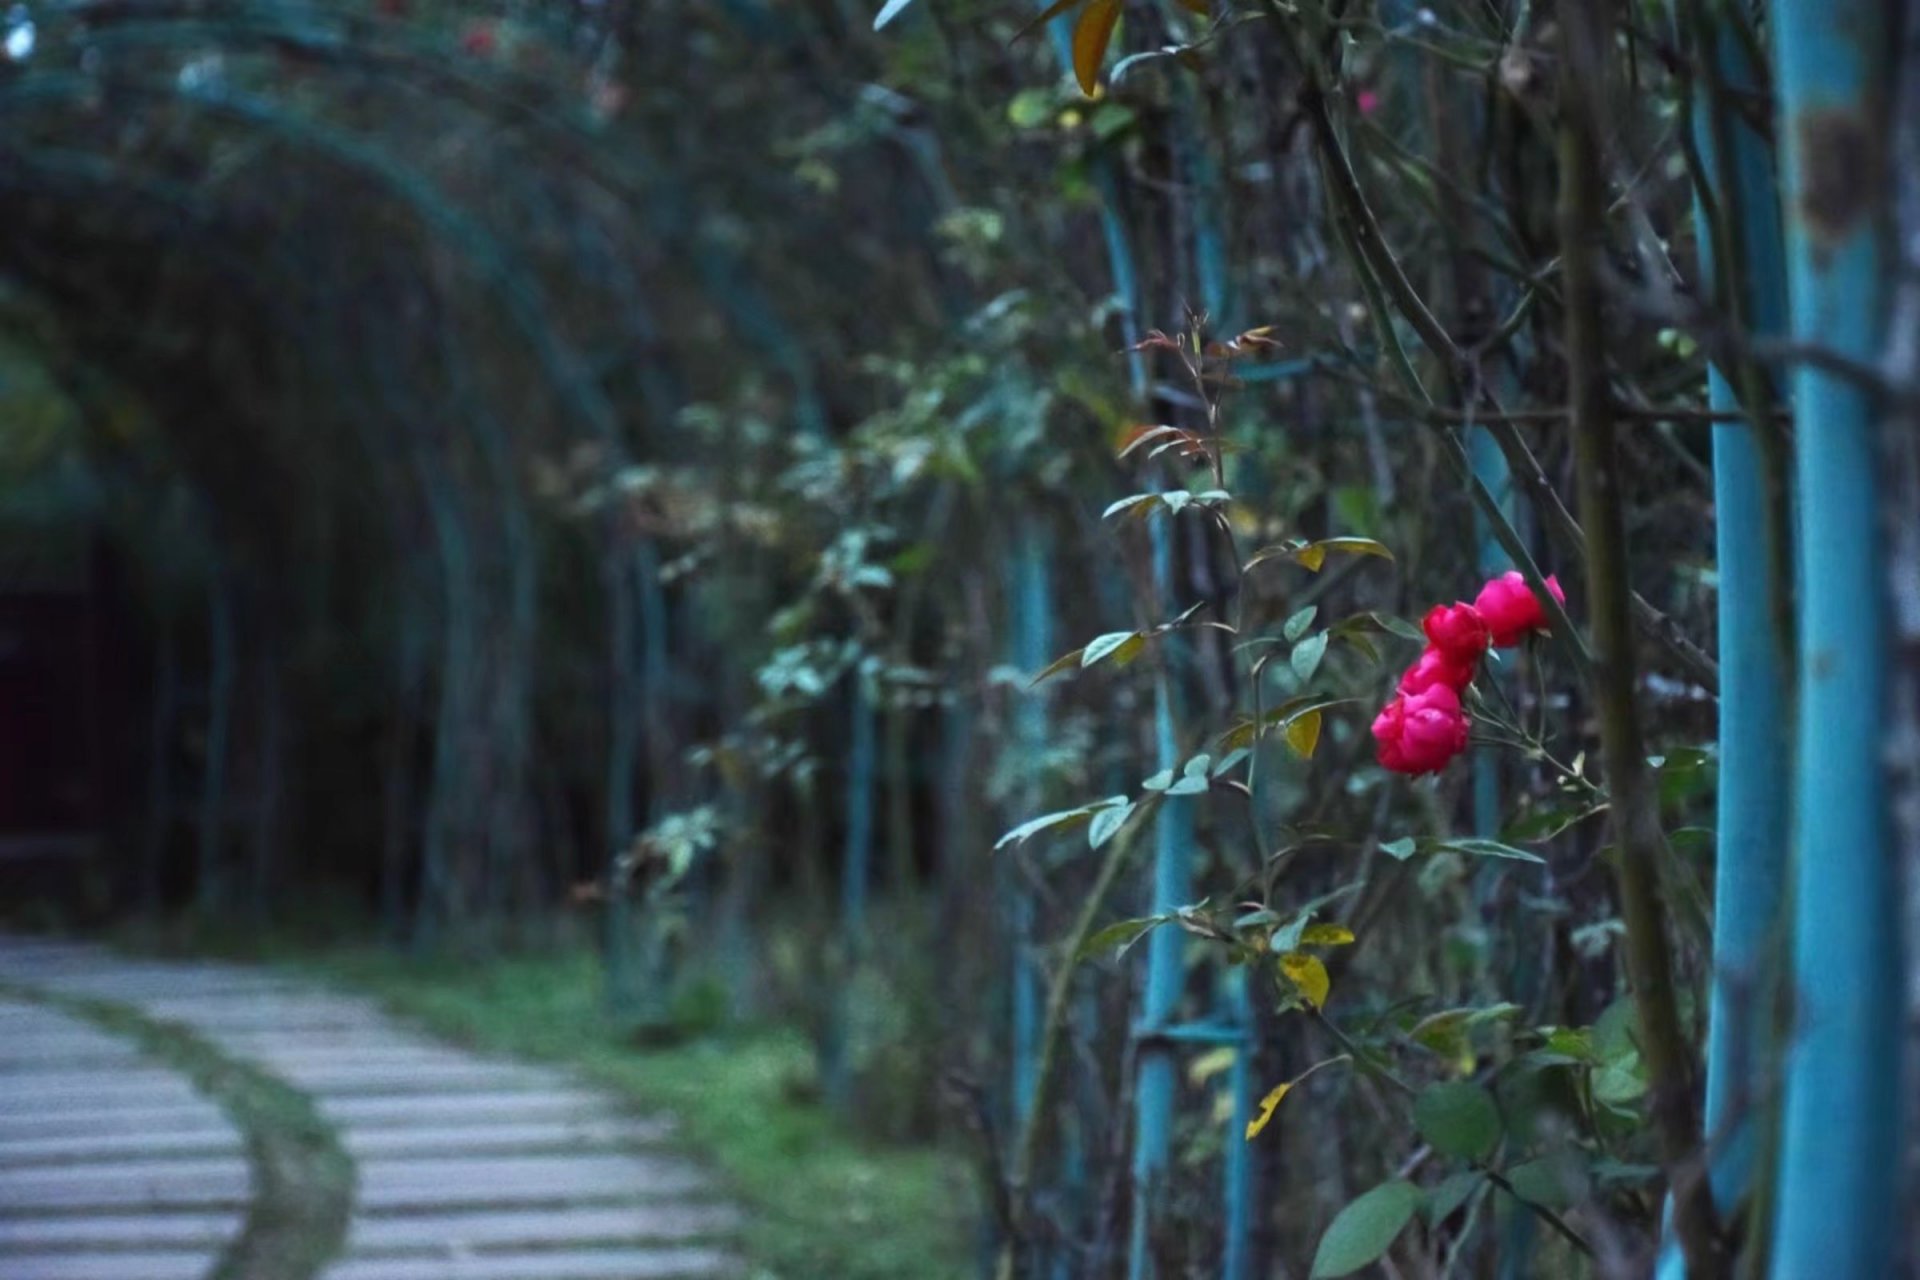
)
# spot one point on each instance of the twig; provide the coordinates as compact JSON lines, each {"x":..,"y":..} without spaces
{"x":1636,"y":821}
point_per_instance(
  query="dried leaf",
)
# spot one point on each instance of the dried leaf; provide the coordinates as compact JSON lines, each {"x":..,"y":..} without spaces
{"x":1091,"y":35}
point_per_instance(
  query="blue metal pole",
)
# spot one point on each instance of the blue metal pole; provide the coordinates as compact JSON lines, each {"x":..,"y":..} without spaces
{"x":859,"y":848}
{"x":1751,"y":846}
{"x":1032,"y":647}
{"x":1166,"y":974}
{"x":855,"y":869}
{"x":1838,"y":1186}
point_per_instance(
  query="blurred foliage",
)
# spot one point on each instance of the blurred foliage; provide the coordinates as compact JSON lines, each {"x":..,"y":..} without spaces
{"x":536,"y":436}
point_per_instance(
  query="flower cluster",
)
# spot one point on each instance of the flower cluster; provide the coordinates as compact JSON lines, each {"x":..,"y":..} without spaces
{"x":1424,"y":726}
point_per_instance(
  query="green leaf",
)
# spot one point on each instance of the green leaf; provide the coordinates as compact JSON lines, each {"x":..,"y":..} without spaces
{"x":1399,"y":850}
{"x":1108,"y":645}
{"x":1059,"y":664}
{"x":1402,"y":628}
{"x":1574,"y":1043}
{"x":889,"y":12}
{"x":1121,"y":934}
{"x":1613,"y":1031}
{"x":1224,"y":765}
{"x":1287,"y":937}
{"x":1159,"y":781}
{"x":1107,"y":822}
{"x":1045,"y":822}
{"x":1445,"y":1198}
{"x":1557,"y":1181}
{"x":1307,"y":654}
{"x":1242,"y":734}
{"x":1459,"y":1118}
{"x":1546,"y":823}
{"x":1488,"y":849}
{"x":1031,"y":108}
{"x":1620,"y":1082}
{"x":1313,"y":555}
{"x":1684,"y":772}
{"x":1297,"y":625}
{"x":1134,"y":505}
{"x":1064,"y":820}
{"x":1365,"y":1229}
{"x":1193,"y":777}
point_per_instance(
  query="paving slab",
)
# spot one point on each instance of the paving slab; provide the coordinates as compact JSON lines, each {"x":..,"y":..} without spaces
{"x":368,"y":1112}
{"x":623,"y":1264}
{"x":122,"y":1231}
{"x":496,"y":1229}
{"x":31,"y":1092}
{"x":482,"y":1136}
{"x":466,"y":1076}
{"x":153,"y":1186}
{"x":517,"y":1181}
{"x":187,"y":1264}
{"x":79,"y":1118}
{"x":120,"y":1143}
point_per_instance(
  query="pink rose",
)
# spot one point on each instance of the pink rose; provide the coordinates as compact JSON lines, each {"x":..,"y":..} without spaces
{"x":1457,"y":631}
{"x":1419,"y":733}
{"x":1511,"y":610}
{"x":1434,"y":667}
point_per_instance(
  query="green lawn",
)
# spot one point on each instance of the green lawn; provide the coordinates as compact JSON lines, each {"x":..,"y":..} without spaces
{"x":821,"y":1204}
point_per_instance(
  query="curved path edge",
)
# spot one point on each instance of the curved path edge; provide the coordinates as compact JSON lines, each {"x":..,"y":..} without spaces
{"x":460,"y":1166}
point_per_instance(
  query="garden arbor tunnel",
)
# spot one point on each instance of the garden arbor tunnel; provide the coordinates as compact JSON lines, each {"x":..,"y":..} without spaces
{"x":344,"y":341}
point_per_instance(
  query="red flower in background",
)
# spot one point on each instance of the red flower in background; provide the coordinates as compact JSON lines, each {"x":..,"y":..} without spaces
{"x":1421,"y":732}
{"x":1434,"y":667}
{"x":479,"y":39}
{"x":1457,"y":631}
{"x":1510,"y":608}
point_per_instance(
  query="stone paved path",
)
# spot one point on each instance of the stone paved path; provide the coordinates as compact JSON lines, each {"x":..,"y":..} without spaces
{"x":468,"y":1168}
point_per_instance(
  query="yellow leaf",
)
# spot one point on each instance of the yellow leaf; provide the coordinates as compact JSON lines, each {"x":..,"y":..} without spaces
{"x":1303,"y":734}
{"x":1327,"y":935}
{"x":1313,"y":555}
{"x":1210,"y":1064}
{"x":1308,"y":975}
{"x":1267,"y":1104}
{"x":1091,"y":34}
